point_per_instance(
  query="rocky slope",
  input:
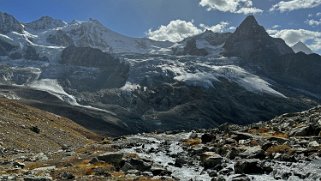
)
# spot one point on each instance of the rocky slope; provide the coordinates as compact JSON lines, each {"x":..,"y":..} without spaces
{"x":285,"y":148}
{"x":9,"y":23}
{"x":27,"y":129}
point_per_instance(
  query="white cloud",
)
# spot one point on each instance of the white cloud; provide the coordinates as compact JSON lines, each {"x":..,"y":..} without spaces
{"x":313,"y":22}
{"x":177,"y":30}
{"x":232,"y":6}
{"x":232,"y":28}
{"x":291,"y":5}
{"x":292,"y":36}
{"x":216,"y":28}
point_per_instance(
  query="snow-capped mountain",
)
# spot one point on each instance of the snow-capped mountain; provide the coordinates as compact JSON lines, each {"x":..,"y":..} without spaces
{"x":8,"y":24}
{"x":301,"y":47}
{"x":45,"y":23}
{"x":116,"y":84}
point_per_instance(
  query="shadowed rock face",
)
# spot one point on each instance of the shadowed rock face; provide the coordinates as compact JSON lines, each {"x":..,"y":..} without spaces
{"x":113,"y":73}
{"x":298,"y":70}
{"x":214,"y":39}
{"x":86,"y":56}
{"x":8,"y":24}
{"x":273,"y":58}
{"x":191,"y":49}
{"x":251,"y":39}
{"x":60,"y":38}
{"x":30,"y":53}
{"x":5,"y":48}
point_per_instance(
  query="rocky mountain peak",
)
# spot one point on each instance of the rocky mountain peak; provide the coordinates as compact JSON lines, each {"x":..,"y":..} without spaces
{"x":95,"y":21}
{"x":301,"y":47}
{"x":8,"y":23}
{"x":251,"y":39}
{"x":250,"y":28}
{"x":250,"y":20}
{"x":45,"y":22}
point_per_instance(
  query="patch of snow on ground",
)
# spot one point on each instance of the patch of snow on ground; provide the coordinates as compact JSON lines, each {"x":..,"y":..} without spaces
{"x":130,"y":86}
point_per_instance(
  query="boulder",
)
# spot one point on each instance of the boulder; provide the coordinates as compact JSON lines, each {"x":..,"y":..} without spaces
{"x":253,"y":152}
{"x":248,"y":166}
{"x":111,"y":157}
{"x":313,"y":144}
{"x":18,"y":165}
{"x":159,"y":171}
{"x":206,"y":138}
{"x":211,"y":160}
{"x":302,"y":131}
{"x":67,"y":176}
{"x":241,"y":136}
{"x":140,"y":165}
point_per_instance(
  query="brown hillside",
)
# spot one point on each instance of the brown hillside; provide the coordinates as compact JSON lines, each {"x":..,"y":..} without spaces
{"x":25,"y":128}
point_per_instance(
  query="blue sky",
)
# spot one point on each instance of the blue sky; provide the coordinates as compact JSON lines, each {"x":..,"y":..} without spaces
{"x":135,"y":17}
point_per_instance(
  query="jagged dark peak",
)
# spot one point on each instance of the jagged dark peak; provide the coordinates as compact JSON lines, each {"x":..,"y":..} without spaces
{"x":45,"y":22}
{"x":250,"y":28}
{"x":251,"y":40}
{"x":9,"y":23}
{"x":250,"y":20}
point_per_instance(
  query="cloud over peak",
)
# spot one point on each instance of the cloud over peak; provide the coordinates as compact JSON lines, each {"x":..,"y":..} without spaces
{"x":232,"y":6}
{"x":177,"y":30}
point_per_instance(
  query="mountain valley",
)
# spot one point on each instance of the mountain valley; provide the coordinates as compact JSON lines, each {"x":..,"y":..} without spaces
{"x":80,"y":101}
{"x":133,"y":85}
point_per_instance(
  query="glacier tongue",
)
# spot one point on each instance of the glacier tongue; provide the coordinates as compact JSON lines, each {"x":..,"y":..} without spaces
{"x":52,"y":86}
